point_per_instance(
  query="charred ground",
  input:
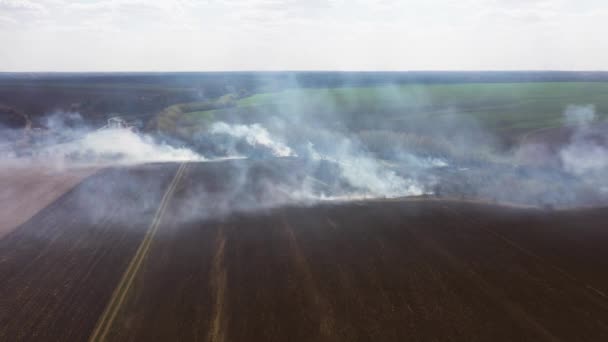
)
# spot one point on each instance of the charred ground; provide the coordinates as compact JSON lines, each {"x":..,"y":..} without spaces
{"x":366,"y":270}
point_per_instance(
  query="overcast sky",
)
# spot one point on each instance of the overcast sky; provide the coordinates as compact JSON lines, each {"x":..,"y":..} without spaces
{"x":209,"y":35}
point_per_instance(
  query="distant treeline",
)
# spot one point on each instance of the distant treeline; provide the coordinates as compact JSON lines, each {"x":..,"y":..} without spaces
{"x":99,"y":95}
{"x":217,"y":82}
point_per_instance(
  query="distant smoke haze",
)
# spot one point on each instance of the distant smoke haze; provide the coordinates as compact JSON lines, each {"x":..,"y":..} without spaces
{"x":335,"y":159}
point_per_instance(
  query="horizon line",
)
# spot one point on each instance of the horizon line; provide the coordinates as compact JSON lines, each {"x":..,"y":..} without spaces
{"x":302,"y":71}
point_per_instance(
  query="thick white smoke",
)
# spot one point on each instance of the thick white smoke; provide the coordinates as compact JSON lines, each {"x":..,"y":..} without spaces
{"x":579,"y":115}
{"x":338,"y":163}
{"x":66,"y":142}
{"x":586,"y":155}
{"x":255,"y":135}
{"x":369,"y":176}
{"x":584,"y":158}
{"x":359,"y":175}
{"x":119,"y":146}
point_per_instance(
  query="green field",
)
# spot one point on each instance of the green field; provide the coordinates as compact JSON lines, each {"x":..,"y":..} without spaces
{"x":504,"y":108}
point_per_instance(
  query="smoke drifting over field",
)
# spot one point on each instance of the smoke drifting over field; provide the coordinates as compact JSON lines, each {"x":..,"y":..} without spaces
{"x":68,"y":142}
{"x":451,"y":155}
{"x":587,"y":153}
{"x":361,"y":174}
{"x":255,"y":135}
{"x":124,"y":147}
{"x":302,"y":151}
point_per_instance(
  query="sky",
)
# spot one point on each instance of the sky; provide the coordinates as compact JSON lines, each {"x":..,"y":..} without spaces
{"x":343,"y":35}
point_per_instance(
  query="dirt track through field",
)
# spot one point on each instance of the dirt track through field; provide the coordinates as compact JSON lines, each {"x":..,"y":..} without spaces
{"x":122,"y":289}
{"x":360,"y":271}
{"x":58,"y":270}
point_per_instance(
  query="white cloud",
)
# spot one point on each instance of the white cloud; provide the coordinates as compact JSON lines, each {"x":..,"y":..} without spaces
{"x":303,"y":34}
{"x":20,"y":5}
{"x":7,"y":21}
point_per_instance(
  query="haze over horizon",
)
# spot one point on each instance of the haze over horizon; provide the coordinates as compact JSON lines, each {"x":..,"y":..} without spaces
{"x":265,"y":35}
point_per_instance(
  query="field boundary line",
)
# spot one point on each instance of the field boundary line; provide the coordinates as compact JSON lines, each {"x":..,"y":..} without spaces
{"x":120,"y":292}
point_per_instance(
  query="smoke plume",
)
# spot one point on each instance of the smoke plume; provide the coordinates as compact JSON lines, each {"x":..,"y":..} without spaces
{"x":302,"y":151}
{"x":68,"y":142}
{"x":255,"y":135}
{"x":586,"y":154}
